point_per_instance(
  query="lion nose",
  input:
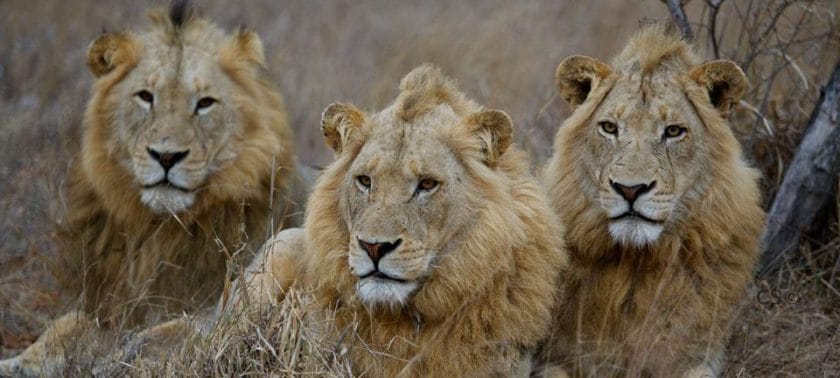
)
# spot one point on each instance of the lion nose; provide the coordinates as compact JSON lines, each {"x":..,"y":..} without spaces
{"x":631,"y":193}
{"x":378,"y":250}
{"x":167,"y":160}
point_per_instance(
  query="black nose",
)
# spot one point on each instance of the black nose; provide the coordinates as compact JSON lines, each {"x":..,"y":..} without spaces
{"x":377,"y":251}
{"x":631,"y":193}
{"x":167,"y":159}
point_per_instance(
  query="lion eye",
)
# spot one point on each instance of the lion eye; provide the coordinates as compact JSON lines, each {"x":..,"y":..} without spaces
{"x":427,"y":185}
{"x":674,"y":131}
{"x":204,"y":103}
{"x":363,"y":182}
{"x":145,"y":96}
{"x":609,"y":127}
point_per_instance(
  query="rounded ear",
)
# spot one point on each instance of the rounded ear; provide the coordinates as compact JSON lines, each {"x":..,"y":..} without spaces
{"x":109,"y":51}
{"x":250,"y":47}
{"x":341,"y":125}
{"x":577,"y":75}
{"x":724,"y":82}
{"x":243,"y":51}
{"x":494,"y":129}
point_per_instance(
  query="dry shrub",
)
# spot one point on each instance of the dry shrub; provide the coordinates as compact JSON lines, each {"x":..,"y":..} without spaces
{"x":787,"y":48}
{"x":790,"y":323}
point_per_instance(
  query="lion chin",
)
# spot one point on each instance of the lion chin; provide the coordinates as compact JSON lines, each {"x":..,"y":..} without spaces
{"x":163,"y":200}
{"x":386,"y":292}
{"x":632,"y":232}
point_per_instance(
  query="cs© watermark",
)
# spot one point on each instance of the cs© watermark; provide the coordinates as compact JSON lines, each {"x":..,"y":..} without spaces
{"x":774,"y":297}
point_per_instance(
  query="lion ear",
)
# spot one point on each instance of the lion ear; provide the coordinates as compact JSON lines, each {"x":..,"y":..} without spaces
{"x":494,"y":129}
{"x":723,"y":80}
{"x":577,"y":76}
{"x":109,"y":51}
{"x":244,"y":50}
{"x":341,"y":125}
{"x":250,"y":47}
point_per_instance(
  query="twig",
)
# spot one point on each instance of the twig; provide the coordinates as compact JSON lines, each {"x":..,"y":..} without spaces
{"x":768,"y":125}
{"x":678,"y":14}
{"x":714,"y":5}
{"x":795,"y":66}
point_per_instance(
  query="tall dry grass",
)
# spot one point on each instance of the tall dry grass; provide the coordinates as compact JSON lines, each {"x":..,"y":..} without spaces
{"x":504,"y":54}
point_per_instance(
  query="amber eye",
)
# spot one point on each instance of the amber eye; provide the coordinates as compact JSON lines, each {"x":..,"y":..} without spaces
{"x":363,"y":182}
{"x":609,"y":127}
{"x":673,"y":131}
{"x":427,"y":185}
{"x":204,"y":103}
{"x":146,"y":96}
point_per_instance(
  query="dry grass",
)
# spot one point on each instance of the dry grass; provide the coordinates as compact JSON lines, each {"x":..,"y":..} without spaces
{"x":282,"y":340}
{"x":504,"y":54}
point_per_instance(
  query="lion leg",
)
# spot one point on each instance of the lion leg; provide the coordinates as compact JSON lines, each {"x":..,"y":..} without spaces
{"x":269,"y":275}
{"x":46,"y":355}
{"x":156,"y":343}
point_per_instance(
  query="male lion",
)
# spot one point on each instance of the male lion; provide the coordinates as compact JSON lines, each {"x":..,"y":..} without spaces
{"x":427,"y":237}
{"x":185,"y":167}
{"x":662,"y":212}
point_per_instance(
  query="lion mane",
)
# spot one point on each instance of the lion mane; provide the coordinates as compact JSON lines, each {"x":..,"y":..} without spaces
{"x":131,"y":259}
{"x":662,"y":308}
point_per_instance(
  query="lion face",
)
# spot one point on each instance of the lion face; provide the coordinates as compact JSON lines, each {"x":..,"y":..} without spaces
{"x":644,"y":157}
{"x":398,"y":193}
{"x":406,"y":192}
{"x":178,"y":103}
{"x":176,"y":123}
{"x":644,"y":149}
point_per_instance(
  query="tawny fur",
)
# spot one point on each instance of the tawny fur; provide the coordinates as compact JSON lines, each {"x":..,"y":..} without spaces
{"x":484,"y":303}
{"x":660,"y":308}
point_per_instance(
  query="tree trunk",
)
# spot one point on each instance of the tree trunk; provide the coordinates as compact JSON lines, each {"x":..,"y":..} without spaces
{"x":809,"y":189}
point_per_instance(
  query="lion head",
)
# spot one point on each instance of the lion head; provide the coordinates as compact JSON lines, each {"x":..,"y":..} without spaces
{"x":428,"y":211}
{"x":405,"y":195}
{"x":180,"y":118}
{"x":648,"y":133}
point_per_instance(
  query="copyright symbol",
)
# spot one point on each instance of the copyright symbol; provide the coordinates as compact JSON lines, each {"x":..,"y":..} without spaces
{"x":791,"y":297}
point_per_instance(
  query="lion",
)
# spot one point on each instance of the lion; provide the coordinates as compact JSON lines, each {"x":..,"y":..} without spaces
{"x":662,"y":212}
{"x":186,"y":167}
{"x":427,"y":238}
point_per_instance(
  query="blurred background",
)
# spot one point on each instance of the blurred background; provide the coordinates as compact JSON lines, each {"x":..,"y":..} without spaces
{"x":503,"y":53}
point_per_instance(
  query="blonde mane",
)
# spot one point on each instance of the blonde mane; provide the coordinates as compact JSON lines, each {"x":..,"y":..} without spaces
{"x":425,"y":88}
{"x":654,"y":47}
